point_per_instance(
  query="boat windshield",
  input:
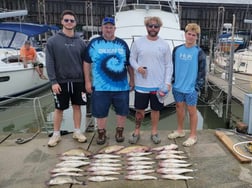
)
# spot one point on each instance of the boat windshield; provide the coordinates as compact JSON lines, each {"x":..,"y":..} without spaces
{"x":10,"y":39}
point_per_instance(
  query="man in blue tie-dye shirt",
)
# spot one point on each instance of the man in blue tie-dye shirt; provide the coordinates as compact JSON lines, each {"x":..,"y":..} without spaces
{"x":107,"y":58}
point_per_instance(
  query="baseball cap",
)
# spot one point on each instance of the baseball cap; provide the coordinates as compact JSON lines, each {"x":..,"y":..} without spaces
{"x":107,"y":20}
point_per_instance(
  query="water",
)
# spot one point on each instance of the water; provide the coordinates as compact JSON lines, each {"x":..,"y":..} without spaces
{"x":21,"y":116}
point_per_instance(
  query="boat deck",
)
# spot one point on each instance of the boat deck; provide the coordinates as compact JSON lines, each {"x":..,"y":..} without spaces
{"x":28,"y":165}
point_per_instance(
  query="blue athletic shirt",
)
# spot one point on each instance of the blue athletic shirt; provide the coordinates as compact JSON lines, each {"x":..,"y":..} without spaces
{"x":109,"y":64}
{"x":186,"y":69}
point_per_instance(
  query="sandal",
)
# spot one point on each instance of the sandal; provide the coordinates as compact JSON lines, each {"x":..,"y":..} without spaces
{"x":176,"y":134}
{"x":101,"y":139}
{"x":134,"y":138}
{"x":190,"y":142}
{"x":119,"y":134}
{"x":155,"y":139}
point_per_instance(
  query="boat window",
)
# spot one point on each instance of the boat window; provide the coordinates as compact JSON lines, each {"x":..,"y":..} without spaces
{"x":5,"y":38}
{"x":242,"y":64}
{"x":19,"y":40}
{"x":4,"y":78}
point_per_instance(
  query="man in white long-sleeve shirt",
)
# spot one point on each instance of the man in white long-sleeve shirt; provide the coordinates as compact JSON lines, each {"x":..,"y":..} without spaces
{"x":151,"y":59}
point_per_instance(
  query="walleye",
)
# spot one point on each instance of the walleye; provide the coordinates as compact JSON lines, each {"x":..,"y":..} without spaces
{"x":77,"y":152}
{"x":173,"y":170}
{"x":102,"y":178}
{"x":106,"y":160}
{"x":132,"y":149}
{"x":138,"y":154}
{"x":65,"y":169}
{"x":67,"y":174}
{"x":111,"y":149}
{"x":139,"y":159}
{"x":176,"y":177}
{"x":105,"y":164}
{"x":174,"y":161}
{"x":70,"y":158}
{"x":141,"y":162}
{"x":166,"y":147}
{"x":103,"y":173}
{"x":171,"y":152}
{"x":106,"y":156}
{"x":139,"y":167}
{"x":174,"y":165}
{"x":59,"y":180}
{"x":140,"y":177}
{"x":97,"y":168}
{"x":170,"y":156}
{"x":73,"y":164}
{"x":140,"y":171}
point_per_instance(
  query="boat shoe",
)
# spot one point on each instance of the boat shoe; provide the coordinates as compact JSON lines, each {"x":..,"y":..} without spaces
{"x":176,"y":134}
{"x":155,"y":138}
{"x":79,"y":137}
{"x":54,"y":140}
{"x":119,"y":134}
{"x":190,"y":142}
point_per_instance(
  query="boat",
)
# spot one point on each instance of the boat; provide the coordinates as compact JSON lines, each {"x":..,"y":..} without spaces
{"x":129,"y":20}
{"x":15,"y":80}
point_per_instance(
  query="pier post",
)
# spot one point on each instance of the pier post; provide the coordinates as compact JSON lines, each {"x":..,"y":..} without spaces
{"x":247,"y":114}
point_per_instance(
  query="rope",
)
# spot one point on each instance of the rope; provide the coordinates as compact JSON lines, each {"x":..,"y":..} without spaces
{"x":240,"y":143}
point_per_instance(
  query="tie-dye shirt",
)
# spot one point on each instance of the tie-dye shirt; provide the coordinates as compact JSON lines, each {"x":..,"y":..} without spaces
{"x":109,"y":64}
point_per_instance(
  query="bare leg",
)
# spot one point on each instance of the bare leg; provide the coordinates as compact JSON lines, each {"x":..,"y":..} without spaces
{"x":77,"y":116}
{"x":38,"y":71}
{"x":193,"y":120}
{"x":120,"y":120}
{"x":58,"y":114}
{"x":180,"y":109}
{"x":154,"y":121}
{"x":101,"y":123}
{"x":139,"y":116}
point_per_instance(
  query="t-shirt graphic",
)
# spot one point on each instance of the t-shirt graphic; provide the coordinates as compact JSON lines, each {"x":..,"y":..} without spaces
{"x":109,"y":60}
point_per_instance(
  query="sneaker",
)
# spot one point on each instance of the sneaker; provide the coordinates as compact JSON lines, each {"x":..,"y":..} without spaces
{"x":101,"y":139}
{"x":119,"y":134}
{"x":54,"y":140}
{"x":176,"y":134}
{"x":79,"y":136}
{"x":155,"y":139}
{"x":134,"y":138}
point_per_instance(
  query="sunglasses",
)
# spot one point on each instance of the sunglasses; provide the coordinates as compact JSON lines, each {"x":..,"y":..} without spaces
{"x":153,"y":26}
{"x":69,"y":20}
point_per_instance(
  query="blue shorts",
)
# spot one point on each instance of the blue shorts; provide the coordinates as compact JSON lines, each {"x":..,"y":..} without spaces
{"x":102,"y":100}
{"x":189,"y":98}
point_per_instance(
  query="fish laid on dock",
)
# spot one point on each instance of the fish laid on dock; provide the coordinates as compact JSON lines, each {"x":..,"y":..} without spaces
{"x":77,"y":152}
{"x":134,"y":148}
{"x":141,"y":163}
{"x":171,"y":152}
{"x":104,"y":173}
{"x":106,"y":164}
{"x":70,"y":158}
{"x":174,"y":165}
{"x":106,"y":161}
{"x":111,"y":149}
{"x":65,"y":169}
{"x":73,"y":164}
{"x":102,"y":178}
{"x":138,"y":154}
{"x":60,"y":180}
{"x":174,"y":161}
{"x":106,"y":156}
{"x":108,"y":168}
{"x":139,"y":167}
{"x":176,"y":177}
{"x":140,"y":177}
{"x":174,"y":170}
{"x":67,"y":174}
{"x":166,"y":147}
{"x":170,"y":156}
{"x":141,"y":171}
{"x":139,"y":159}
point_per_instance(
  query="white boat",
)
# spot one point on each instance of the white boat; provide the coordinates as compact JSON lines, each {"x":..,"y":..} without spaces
{"x":15,"y":80}
{"x":130,"y":26}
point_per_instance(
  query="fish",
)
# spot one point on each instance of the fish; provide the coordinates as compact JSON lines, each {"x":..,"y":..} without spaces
{"x":166,"y":147}
{"x":171,"y":152}
{"x":67,"y":174}
{"x":174,"y":165}
{"x":111,"y":149}
{"x":105,"y":164}
{"x":139,"y":159}
{"x":140,"y":177}
{"x":138,"y":167}
{"x":140,"y":171}
{"x":170,"y":156}
{"x":106,"y":161}
{"x":104,"y":173}
{"x":132,"y":149}
{"x":60,"y":180}
{"x":138,"y":154}
{"x":102,"y":178}
{"x":77,"y":152}
{"x":173,"y":170}
{"x":176,"y":177}
{"x":96,"y":168}
{"x":140,"y":163}
{"x":70,"y":158}
{"x":65,"y":169}
{"x":73,"y":164}
{"x":174,"y":161}
{"x":106,"y":156}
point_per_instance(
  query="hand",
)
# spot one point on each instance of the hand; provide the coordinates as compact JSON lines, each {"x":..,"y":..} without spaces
{"x":56,"y":88}
{"x":88,"y":86}
{"x":142,"y":70}
{"x":132,"y":84}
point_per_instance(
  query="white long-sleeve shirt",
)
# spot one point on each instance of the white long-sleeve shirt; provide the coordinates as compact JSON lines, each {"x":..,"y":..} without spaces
{"x":156,"y":56}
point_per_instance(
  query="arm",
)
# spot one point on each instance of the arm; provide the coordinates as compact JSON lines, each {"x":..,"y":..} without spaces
{"x":131,"y":77}
{"x":87,"y":75}
{"x":168,"y":68}
{"x":201,"y":70}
